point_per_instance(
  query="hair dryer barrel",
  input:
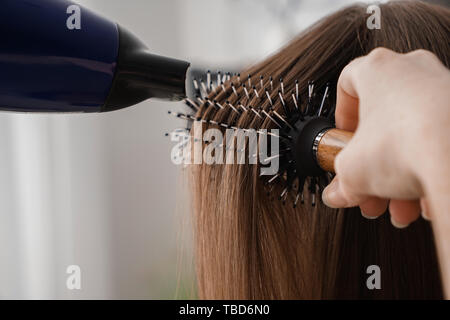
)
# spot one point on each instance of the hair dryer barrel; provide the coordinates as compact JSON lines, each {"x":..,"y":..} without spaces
{"x":46,"y":66}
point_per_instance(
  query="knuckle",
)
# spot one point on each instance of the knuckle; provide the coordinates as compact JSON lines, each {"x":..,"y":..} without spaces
{"x":422,"y":54}
{"x":380,"y":53}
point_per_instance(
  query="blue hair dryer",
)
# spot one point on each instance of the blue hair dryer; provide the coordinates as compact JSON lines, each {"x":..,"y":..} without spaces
{"x":56,"y":56}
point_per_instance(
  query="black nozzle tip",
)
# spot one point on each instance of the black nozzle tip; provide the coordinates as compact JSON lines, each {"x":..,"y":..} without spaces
{"x":141,"y":75}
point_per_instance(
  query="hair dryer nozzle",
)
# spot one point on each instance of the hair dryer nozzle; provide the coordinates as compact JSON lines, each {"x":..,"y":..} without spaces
{"x":141,"y":75}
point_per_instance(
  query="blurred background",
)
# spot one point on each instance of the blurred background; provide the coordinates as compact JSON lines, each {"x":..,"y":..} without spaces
{"x":100,"y":191}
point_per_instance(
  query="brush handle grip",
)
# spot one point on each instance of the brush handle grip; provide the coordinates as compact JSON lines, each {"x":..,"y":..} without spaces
{"x":330,"y":143}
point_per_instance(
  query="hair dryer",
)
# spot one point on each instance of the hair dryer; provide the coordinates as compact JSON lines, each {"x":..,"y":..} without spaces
{"x":56,"y":56}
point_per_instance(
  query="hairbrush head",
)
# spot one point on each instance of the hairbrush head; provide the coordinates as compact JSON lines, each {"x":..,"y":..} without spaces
{"x":300,"y":123}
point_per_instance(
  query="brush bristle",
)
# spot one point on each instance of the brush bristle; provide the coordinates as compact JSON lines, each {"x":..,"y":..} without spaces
{"x":279,"y":104}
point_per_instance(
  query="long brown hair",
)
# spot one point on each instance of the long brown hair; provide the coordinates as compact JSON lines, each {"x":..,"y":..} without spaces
{"x":248,"y":246}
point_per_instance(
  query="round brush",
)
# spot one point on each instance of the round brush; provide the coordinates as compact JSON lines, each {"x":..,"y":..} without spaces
{"x":309,"y":141}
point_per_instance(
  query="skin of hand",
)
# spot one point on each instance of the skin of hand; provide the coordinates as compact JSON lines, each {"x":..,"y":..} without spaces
{"x":398,"y":105}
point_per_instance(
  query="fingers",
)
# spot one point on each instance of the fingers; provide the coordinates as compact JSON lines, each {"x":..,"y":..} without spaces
{"x":425,"y":209}
{"x":335,"y":197}
{"x":347,"y":101}
{"x":403,"y":212}
{"x":355,"y":81}
{"x":364,"y":176}
{"x":373,"y":207}
{"x":347,"y":188}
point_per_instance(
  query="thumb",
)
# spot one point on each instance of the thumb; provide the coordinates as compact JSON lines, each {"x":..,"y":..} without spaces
{"x":341,"y":193}
{"x":334,"y":196}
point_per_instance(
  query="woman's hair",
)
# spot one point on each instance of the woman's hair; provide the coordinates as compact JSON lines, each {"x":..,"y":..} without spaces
{"x":249,"y":246}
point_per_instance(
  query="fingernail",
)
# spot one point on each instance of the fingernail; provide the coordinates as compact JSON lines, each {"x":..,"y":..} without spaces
{"x":425,"y":215}
{"x":397,"y":224}
{"x":424,"y":207}
{"x":368,"y":217}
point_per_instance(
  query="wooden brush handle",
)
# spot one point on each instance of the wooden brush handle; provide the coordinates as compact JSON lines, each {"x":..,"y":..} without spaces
{"x":330,"y":144}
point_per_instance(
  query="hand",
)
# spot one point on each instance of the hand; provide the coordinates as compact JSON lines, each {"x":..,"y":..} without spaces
{"x":398,"y":105}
